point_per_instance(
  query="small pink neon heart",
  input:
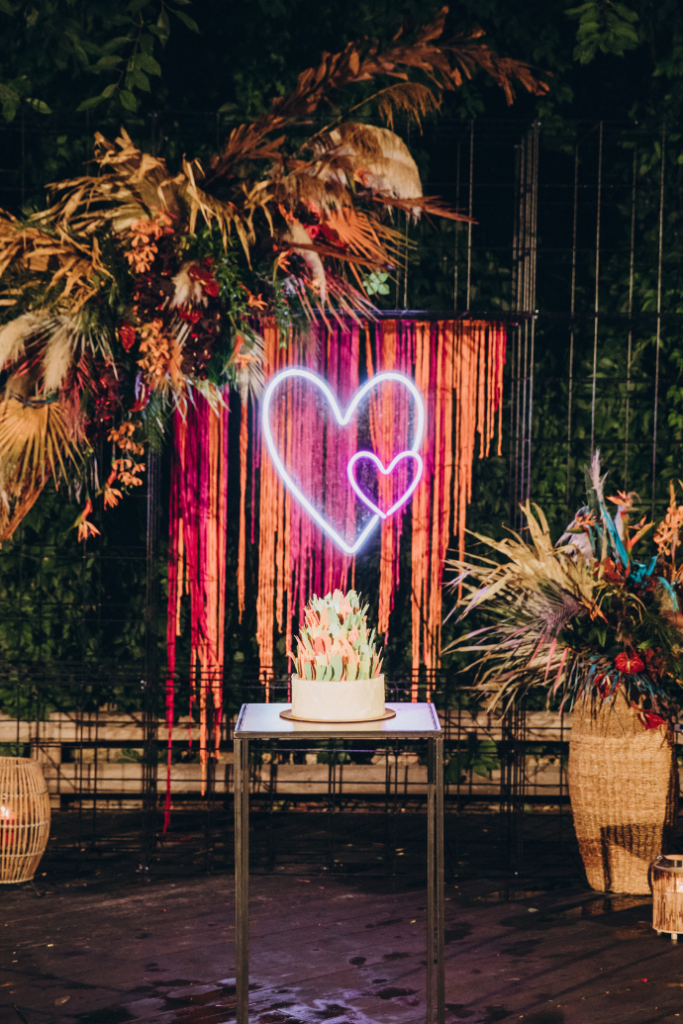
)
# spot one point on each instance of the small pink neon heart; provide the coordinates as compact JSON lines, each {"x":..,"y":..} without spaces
{"x":371,"y":457}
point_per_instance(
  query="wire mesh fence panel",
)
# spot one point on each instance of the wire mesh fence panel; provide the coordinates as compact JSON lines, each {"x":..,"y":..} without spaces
{"x":87,"y":730}
{"x":576,"y":246}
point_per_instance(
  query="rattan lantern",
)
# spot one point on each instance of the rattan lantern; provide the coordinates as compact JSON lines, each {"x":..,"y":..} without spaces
{"x":24,"y":818}
{"x":667,"y":896}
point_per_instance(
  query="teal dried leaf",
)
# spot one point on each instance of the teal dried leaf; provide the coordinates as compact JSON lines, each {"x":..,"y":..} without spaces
{"x":337,"y":667}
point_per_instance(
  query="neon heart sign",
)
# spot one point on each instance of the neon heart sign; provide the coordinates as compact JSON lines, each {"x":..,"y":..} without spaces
{"x":371,"y":457}
{"x":343,"y":419}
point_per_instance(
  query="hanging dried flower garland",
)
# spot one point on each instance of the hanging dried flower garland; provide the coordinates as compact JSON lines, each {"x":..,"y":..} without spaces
{"x":135,"y":290}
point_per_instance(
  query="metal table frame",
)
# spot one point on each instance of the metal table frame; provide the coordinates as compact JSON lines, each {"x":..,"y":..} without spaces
{"x":412,"y":722}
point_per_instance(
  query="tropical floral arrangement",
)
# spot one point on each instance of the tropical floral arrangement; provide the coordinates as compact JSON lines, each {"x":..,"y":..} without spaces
{"x":335,"y":644}
{"x":141,"y":286}
{"x":584,"y":617}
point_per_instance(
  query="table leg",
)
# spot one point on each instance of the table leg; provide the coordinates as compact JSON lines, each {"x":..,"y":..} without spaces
{"x":435,"y":882}
{"x":241,"y":771}
{"x":431,"y":814}
{"x":440,"y":895}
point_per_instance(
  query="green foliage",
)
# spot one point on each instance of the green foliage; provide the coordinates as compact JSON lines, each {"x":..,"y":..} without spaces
{"x":606,"y":26}
{"x":332,"y":754}
{"x":376,"y":284}
{"x":70,"y":43}
{"x":14,"y":749}
{"x":65,"y":602}
{"x":478,"y":756}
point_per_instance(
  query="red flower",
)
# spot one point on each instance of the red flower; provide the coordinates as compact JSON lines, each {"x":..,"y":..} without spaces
{"x":602,"y":685}
{"x":127,"y":335}
{"x":142,"y":400}
{"x":629,"y":664}
{"x":651,"y":720}
{"x":202,"y":273}
{"x":190,"y":316}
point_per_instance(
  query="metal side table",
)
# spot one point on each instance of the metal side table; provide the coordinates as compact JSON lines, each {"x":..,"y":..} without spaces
{"x":412,"y":722}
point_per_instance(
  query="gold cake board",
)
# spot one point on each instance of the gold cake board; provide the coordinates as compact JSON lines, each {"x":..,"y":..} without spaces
{"x":289,"y":717}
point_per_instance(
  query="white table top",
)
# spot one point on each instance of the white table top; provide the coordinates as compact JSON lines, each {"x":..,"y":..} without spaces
{"x":412,"y":721}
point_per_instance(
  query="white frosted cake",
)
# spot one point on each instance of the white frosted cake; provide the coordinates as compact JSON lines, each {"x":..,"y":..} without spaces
{"x":338,"y":674}
{"x":359,"y":701}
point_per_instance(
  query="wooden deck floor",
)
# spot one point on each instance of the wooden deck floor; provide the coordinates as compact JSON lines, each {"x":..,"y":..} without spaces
{"x":113,"y":948}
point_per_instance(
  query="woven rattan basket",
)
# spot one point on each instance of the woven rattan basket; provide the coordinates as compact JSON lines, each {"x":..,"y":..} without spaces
{"x":24,"y":818}
{"x":623,"y":786}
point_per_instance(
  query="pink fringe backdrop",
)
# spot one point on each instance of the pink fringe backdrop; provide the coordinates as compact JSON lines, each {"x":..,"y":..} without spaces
{"x":458,"y":368}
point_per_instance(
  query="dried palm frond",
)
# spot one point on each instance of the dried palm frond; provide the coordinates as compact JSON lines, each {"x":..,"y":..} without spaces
{"x":422,"y":204}
{"x":36,"y":441}
{"x":470,"y":56}
{"x":412,"y":99}
{"x":366,"y":61}
{"x":532,"y":595}
{"x":33,"y":251}
{"x":133,"y":184}
{"x":15,"y":506}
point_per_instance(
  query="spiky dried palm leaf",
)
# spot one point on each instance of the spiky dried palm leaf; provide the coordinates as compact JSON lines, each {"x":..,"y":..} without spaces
{"x":15,"y":504}
{"x":444,"y":65}
{"x":53,"y":259}
{"x":137,"y":185}
{"x":130,"y":185}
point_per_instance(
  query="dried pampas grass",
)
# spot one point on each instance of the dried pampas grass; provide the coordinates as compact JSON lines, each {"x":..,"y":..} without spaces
{"x":381,"y":159}
{"x":58,"y":354}
{"x":15,"y":335}
{"x":187,"y":292}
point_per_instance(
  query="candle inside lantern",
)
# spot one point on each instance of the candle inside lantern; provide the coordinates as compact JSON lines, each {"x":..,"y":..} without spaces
{"x":6,"y":825}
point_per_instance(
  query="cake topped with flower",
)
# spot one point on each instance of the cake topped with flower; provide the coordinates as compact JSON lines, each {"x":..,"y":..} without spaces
{"x":335,"y":646}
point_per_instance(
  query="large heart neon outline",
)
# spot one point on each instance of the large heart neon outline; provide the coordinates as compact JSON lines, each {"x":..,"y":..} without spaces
{"x":342,"y":420}
{"x":385,"y":472}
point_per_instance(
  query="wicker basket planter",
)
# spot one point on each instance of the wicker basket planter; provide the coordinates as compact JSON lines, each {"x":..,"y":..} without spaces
{"x":623,"y":786}
{"x":24,"y":818}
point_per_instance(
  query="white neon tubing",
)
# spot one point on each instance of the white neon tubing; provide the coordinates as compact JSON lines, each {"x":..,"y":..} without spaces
{"x":419,"y":466}
{"x":342,"y":419}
